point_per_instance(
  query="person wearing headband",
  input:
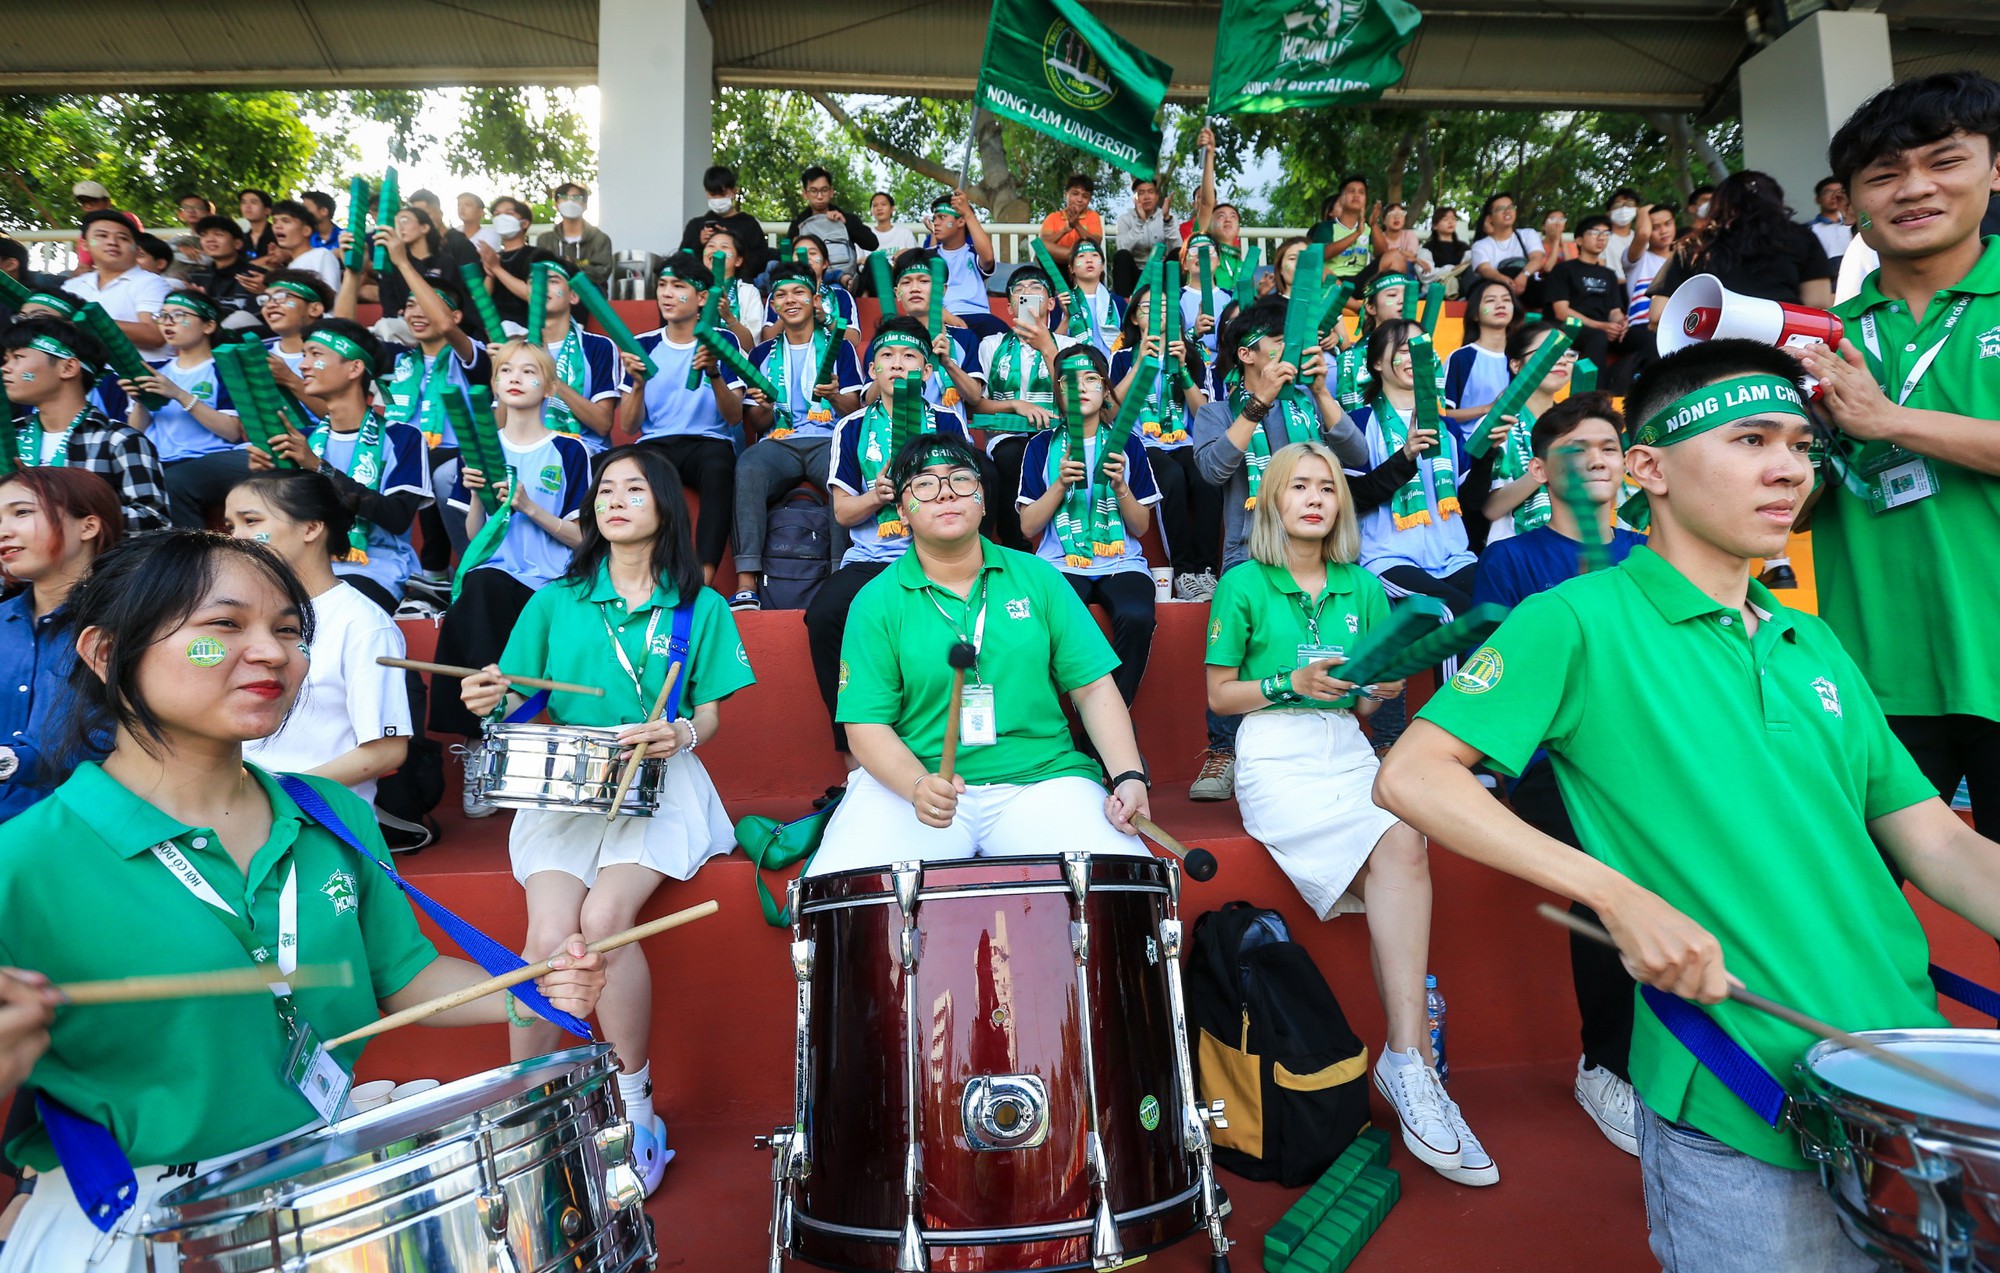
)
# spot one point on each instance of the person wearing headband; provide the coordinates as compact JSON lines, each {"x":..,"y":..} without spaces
{"x":1017,"y":775}
{"x":833,"y":299}
{"x":1195,"y":320}
{"x":50,"y":366}
{"x":1704,"y":870}
{"x":293,"y":304}
{"x":1104,"y":311}
{"x":864,"y":497}
{"x":197,"y":432}
{"x":956,"y":380}
{"x":958,"y":237}
{"x":695,"y":427}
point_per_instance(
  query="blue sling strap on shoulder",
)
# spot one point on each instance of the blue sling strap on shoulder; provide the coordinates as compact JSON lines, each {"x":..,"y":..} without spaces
{"x":100,"y":1175}
{"x":677,"y":652}
{"x":530,"y":709}
{"x":1745,"y":1077}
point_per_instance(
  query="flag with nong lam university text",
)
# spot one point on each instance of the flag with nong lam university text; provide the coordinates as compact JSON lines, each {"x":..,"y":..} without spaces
{"x":1274,"y":55}
{"x":1050,"y":65}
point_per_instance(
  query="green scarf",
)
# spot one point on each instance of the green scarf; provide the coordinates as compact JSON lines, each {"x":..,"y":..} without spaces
{"x":884,"y":434}
{"x":774,"y":369}
{"x":1019,"y":373}
{"x":573,"y":369}
{"x":416,"y":394}
{"x":492,"y":533}
{"x":1088,"y":522}
{"x":1407,"y":506}
{"x":371,"y":465}
{"x":1160,"y":415}
{"x":1297,"y":418}
{"x":1512,"y":464}
{"x":28,"y":439}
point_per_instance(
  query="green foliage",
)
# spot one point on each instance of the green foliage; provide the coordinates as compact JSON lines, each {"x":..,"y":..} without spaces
{"x":529,"y":136}
{"x":771,"y":137}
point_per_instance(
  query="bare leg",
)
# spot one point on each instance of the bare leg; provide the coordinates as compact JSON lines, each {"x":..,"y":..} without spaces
{"x":625,"y":1009}
{"x":1396,"y":886}
{"x":555,"y":906}
{"x":707,"y":574}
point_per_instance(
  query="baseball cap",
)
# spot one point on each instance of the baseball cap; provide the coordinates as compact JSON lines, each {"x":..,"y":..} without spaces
{"x":89,"y":190}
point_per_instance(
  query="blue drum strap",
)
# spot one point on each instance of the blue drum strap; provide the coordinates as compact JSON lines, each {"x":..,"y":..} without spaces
{"x":677,"y":652}
{"x":100,"y":1175}
{"x":530,"y":709}
{"x":1742,"y":1073}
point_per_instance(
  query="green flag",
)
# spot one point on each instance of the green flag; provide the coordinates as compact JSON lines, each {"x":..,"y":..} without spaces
{"x":1053,"y":67}
{"x":1273,"y":55}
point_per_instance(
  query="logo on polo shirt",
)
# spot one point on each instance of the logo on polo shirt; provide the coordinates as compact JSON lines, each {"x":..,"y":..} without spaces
{"x":1829,"y":697}
{"x":340,"y":890}
{"x":1214,"y":631}
{"x":843,"y":675}
{"x":1353,"y":624}
{"x":661,"y":644}
{"x":1481,"y":672}
{"x":742,"y":655}
{"x":1017,"y":608}
{"x":1989,"y":342}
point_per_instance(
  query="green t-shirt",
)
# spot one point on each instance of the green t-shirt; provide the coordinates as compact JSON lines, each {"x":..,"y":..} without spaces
{"x":1038,"y":644}
{"x":1733,"y":776}
{"x":1351,"y":259}
{"x":1259,"y":617}
{"x":1909,"y":590}
{"x":184,"y":1079}
{"x":562,"y":635}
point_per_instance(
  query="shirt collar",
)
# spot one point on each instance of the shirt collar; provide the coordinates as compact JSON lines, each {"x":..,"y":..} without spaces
{"x":910,"y":571}
{"x":131,"y":826}
{"x":1677,"y":599}
{"x":19,"y":606}
{"x":664,"y":596}
{"x":1336,"y":580}
{"x":1983,"y":279}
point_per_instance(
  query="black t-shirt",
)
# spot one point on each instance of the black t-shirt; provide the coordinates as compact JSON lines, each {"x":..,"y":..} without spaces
{"x":1446,"y":253}
{"x":394,"y":292}
{"x":520,"y":262}
{"x":223,"y":284}
{"x":753,"y":250}
{"x":1592,"y":291}
{"x":1773,"y":276}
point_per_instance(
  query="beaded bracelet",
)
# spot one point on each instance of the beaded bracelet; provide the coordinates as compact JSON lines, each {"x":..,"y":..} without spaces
{"x":514,"y":1016}
{"x":694,"y":735}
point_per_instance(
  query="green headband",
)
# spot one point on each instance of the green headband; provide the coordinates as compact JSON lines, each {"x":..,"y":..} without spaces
{"x":199,"y":306}
{"x":339,"y":344}
{"x":1087,"y":245}
{"x":1075,"y":353}
{"x":53,"y":348}
{"x":940,"y":454}
{"x":1256,"y":332}
{"x":892,"y":339}
{"x":945,"y":206}
{"x":922,"y":267}
{"x":1724,"y":402}
{"x":66,"y":308}
{"x":304,"y":291}
{"x":1383,"y":282}
{"x":668,"y":271}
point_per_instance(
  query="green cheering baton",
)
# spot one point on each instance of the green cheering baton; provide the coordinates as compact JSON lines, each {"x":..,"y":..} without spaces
{"x":357,"y":221}
{"x":1430,"y":307}
{"x":386,"y":204}
{"x":1461,"y":634}
{"x":1518,"y":391}
{"x":935,"y":268}
{"x":1407,"y":623}
{"x":1426,"y":372}
{"x":12,"y":291}
{"x":124,"y":355}
{"x":245,"y":370}
{"x":482,"y":301}
{"x":10,"y":441}
{"x":599,"y":308}
{"x":711,"y":309}
{"x":730,"y":356}
{"x":1569,"y":483}
{"x":1302,"y":313}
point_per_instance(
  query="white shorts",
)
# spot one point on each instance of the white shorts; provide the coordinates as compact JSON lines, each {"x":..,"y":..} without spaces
{"x":875,"y":826}
{"x":1305,"y":785}
{"x":688,"y":828}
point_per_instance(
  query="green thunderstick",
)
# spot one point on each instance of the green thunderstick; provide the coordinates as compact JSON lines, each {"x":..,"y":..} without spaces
{"x":1426,"y":372}
{"x":935,"y":269}
{"x":906,"y":413}
{"x":386,"y":204}
{"x":1430,"y":307}
{"x":263,"y":421}
{"x":124,"y":355}
{"x":711,"y":309}
{"x":1583,"y":376}
{"x":1207,"y":267}
{"x":1302,"y":311}
{"x":12,"y":291}
{"x":1170,"y":298}
{"x":538,"y":300}
{"x":357,"y":221}
{"x":470,"y":451}
{"x":885,"y":287}
{"x":730,"y":356}
{"x":1335,"y":307}
{"x":1466,"y":632}
{"x":1407,"y":623}
{"x":829,"y":357}
{"x":1518,"y":391}
{"x":482,"y":301}
{"x":1569,"y":488}
{"x":485,"y":437}
{"x":1072,"y":297}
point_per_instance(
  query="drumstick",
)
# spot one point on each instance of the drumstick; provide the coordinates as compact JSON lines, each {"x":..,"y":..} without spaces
{"x":639,"y":752}
{"x":963,"y":657}
{"x":1200,"y":863}
{"x":532,"y":682}
{"x":202,"y":985}
{"x":1793,"y":1017}
{"x":508,"y":980}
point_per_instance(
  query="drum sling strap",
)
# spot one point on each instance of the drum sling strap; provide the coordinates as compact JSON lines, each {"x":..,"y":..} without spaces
{"x":1745,"y":1077}
{"x":101,"y":1175}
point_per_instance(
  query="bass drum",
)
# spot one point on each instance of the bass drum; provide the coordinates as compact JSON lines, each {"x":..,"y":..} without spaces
{"x":519,"y":1168}
{"x":1028,"y":1073}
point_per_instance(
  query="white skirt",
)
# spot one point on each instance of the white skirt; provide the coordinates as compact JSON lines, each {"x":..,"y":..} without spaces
{"x":687,"y":828}
{"x":1305,"y":785}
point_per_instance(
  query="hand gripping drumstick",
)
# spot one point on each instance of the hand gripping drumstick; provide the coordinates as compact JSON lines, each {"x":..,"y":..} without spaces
{"x":508,"y":980}
{"x":639,"y":752}
{"x":1793,"y":1017}
{"x":532,"y":682}
{"x":963,"y":658}
{"x":1200,"y":863}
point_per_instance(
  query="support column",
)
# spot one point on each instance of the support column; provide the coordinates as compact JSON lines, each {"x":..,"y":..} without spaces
{"x":1802,"y":88}
{"x":655,"y":79}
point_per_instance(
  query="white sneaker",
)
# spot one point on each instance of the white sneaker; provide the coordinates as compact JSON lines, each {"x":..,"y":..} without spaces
{"x":1414,"y":1092}
{"x":1611,"y":1104}
{"x":1475,"y":1165}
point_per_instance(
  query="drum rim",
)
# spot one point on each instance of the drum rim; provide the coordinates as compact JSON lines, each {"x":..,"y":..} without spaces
{"x":1146,"y":864}
{"x":529,"y":728}
{"x":1845,"y":1103}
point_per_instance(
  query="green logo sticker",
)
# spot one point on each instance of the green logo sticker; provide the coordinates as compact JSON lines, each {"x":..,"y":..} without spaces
{"x":552,"y":478}
{"x":1481,"y":672}
{"x":1149,"y":1113}
{"x":206,"y":652}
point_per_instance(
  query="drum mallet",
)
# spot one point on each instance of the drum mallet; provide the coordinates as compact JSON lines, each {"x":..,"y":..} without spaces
{"x":1200,"y":863}
{"x":532,"y":682}
{"x":202,"y":985}
{"x":1793,"y":1017}
{"x":639,"y":752}
{"x":963,"y":656}
{"x":508,"y":980}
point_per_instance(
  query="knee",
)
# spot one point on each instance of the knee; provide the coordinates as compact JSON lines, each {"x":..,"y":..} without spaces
{"x":545,"y":934}
{"x":604,"y":918}
{"x":1401,"y":854}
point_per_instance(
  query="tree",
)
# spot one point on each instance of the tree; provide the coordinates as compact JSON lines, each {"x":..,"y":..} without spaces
{"x":531,"y":136}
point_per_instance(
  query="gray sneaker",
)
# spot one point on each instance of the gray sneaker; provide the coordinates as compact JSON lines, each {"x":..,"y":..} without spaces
{"x":474,"y":803}
{"x":1217,"y":779}
{"x":1194,"y":585}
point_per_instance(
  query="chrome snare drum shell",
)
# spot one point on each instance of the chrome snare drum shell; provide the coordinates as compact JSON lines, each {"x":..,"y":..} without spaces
{"x":564,"y":769}
{"x":1914,"y":1172}
{"x":524,"y":1163}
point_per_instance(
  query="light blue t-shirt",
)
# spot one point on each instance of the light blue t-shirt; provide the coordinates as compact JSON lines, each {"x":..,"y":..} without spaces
{"x":1439,"y":548}
{"x":964,"y":280}
{"x":174,"y":432}
{"x":865,"y":542}
{"x":392,"y":559}
{"x":555,"y":473}
{"x":673,"y":409}
{"x":1035,"y":484}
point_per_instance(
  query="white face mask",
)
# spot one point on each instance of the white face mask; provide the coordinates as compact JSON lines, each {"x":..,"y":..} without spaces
{"x":571,"y":209}
{"x":507,"y":225}
{"x":1701,"y":209}
{"x":721,"y":207}
{"x":1622,"y":217}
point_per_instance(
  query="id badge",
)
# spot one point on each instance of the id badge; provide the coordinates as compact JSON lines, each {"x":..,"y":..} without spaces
{"x":1319,"y":653}
{"x":311,"y":1069}
{"x":1901,"y":477}
{"x":977,"y":724}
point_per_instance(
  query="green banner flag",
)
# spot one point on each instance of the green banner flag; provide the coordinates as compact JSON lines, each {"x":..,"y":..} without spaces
{"x":1273,"y":55}
{"x":1050,"y":65}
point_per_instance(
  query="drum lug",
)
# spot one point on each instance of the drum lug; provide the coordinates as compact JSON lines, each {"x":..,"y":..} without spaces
{"x":1079,"y":940}
{"x":909,"y":947}
{"x":1106,"y":1252}
{"x":493,"y":1213}
{"x":910,"y":1254}
{"x":1076,"y":871}
{"x":909,"y":877}
{"x":623,"y":1190}
{"x":614,"y":1142}
{"x":1170,"y":939}
{"x":802,"y":959}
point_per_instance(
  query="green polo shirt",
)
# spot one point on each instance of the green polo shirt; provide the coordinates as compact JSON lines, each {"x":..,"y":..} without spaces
{"x":1734,"y":776}
{"x":1909,"y":591}
{"x":1039,"y":644}
{"x":1260,"y":617}
{"x":186,"y":1079}
{"x":562,"y":635}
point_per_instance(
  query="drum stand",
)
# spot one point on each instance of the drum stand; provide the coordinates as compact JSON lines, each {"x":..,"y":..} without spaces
{"x":1105,"y":1250}
{"x":910,"y":1254}
{"x":789,"y":1161}
{"x":1196,"y":1118}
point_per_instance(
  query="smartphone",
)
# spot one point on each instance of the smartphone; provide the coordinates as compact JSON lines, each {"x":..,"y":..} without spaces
{"x":1258,"y":276}
{"x":1031,"y":307}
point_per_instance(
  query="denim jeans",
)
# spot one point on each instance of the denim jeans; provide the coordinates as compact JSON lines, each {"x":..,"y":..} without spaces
{"x":1712,"y":1209}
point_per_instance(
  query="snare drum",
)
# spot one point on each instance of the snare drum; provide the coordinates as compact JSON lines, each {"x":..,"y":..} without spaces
{"x":563,"y":768}
{"x":1914,"y":1171}
{"x":522,"y":1167}
{"x":992,"y":1069}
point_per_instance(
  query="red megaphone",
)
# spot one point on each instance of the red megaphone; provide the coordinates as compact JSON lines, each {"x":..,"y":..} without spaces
{"x":1703,"y":309}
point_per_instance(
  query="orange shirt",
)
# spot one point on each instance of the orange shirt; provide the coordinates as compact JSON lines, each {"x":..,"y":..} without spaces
{"x":1090,"y":223}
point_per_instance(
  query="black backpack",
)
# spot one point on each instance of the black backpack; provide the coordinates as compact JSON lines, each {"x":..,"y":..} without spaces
{"x":414,"y":789}
{"x":1270,"y":1042}
{"x":798,"y":549}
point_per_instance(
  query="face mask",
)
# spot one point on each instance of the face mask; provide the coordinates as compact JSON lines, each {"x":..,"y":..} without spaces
{"x":1701,"y":209}
{"x":506,"y":226}
{"x":721,"y":207}
{"x":1622,"y":217}
{"x":570,"y":209}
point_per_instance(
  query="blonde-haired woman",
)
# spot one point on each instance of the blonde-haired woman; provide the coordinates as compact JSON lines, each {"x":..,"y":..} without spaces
{"x":1281,"y":624}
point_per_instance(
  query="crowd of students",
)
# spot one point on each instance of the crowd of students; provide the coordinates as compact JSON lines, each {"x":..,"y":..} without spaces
{"x":1301,"y":492}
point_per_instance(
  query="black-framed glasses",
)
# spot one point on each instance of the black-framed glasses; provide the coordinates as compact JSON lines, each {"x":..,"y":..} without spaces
{"x":927,"y":487}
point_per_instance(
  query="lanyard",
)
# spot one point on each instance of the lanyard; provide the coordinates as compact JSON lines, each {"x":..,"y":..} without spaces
{"x":1872,"y":342}
{"x":618,"y":648}
{"x":978,"y":636}
{"x":1312,"y":611}
{"x":176,"y":861}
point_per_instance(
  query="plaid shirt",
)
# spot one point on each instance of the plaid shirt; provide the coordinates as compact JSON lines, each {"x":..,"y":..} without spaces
{"x":122,"y":456}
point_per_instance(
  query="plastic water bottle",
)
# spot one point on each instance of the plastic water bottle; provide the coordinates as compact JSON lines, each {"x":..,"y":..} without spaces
{"x":1434,"y":1009}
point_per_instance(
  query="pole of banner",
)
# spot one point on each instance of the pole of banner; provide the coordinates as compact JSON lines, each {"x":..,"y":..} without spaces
{"x":971,"y":135}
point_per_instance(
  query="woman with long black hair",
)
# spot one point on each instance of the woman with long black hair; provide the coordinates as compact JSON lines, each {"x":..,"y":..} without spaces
{"x":1753,"y":246}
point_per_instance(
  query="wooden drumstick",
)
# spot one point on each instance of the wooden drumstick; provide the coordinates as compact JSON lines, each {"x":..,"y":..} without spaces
{"x":639,"y":751}
{"x":508,"y":980}
{"x":202,"y":985}
{"x":532,"y":682}
{"x":1200,"y":863}
{"x":1793,"y":1017}
{"x":964,"y":657}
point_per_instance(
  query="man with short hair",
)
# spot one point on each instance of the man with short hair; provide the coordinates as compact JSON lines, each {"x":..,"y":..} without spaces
{"x":292,"y":223}
{"x":846,"y":236}
{"x":956,"y":380}
{"x":967,"y":250}
{"x":325,"y":233}
{"x":190,"y":209}
{"x":725,"y":212}
{"x":1075,"y":223}
{"x":1834,"y":226}
{"x":254,"y":206}
{"x":1343,"y":229}
{"x":889,"y":237}
{"x":229,"y":279}
{"x":1586,"y":289}
{"x":575,"y":242}
{"x":510,"y":267}
{"x":458,"y":250}
{"x":1140,"y":228}
{"x":472,"y":227}
{"x":129,"y":294}
{"x":1020,"y":396}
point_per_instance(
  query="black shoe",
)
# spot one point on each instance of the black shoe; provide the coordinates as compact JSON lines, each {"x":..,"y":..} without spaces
{"x":832,"y":794}
{"x":1778,"y":575}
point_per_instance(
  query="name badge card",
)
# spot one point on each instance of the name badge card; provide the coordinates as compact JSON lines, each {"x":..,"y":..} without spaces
{"x":1898,"y":478}
{"x":311,"y":1068}
{"x":1319,"y":653}
{"x":978,"y":725}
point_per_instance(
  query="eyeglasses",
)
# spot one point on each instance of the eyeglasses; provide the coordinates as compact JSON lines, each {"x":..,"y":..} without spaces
{"x":927,"y":487}
{"x":819,"y":189}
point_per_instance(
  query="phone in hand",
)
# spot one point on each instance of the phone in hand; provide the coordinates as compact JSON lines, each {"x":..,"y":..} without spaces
{"x":1030,"y":307}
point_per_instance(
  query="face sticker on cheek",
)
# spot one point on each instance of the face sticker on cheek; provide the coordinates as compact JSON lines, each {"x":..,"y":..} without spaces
{"x":206,"y":652}
{"x":27,"y":377}
{"x":603,"y":506}
{"x":305,"y":649}
{"x":635,"y":500}
{"x":533,"y":382}
{"x":261,"y":536}
{"x":319,"y":364}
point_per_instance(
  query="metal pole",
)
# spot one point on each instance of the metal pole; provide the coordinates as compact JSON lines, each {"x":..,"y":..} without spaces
{"x":965,"y":168}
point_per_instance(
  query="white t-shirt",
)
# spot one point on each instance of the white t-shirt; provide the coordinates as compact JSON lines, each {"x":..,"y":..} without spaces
{"x":1833,"y":238}
{"x":1491,"y":251}
{"x":324,"y":262}
{"x":1641,"y":273}
{"x":347,"y":699}
{"x":1856,"y":264}
{"x":895,"y":240}
{"x":126,"y":297}
{"x":1614,"y":255}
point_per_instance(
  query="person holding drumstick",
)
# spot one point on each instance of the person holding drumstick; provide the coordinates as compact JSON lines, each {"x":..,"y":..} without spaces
{"x":1666,"y":692}
{"x":1279,"y":630}
{"x":27,"y":1006}
{"x":176,"y":857}
{"x":631,"y":601}
{"x":1018,"y":786}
